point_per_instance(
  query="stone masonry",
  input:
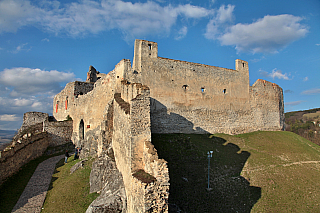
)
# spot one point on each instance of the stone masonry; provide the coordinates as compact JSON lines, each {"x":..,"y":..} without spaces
{"x":36,"y":134}
{"x":114,"y":115}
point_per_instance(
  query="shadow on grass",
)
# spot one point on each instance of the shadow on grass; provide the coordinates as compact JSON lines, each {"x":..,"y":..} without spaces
{"x":59,"y":164}
{"x":188,"y":170}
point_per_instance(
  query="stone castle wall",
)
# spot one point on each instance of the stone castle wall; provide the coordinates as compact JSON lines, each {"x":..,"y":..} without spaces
{"x":36,"y":134}
{"x":133,"y":151}
{"x":59,"y":132}
{"x":120,"y":110}
{"x":23,"y":149}
{"x":195,"y":98}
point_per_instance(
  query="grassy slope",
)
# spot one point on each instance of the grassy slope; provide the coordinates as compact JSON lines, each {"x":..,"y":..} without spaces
{"x":69,"y":192}
{"x":254,"y":172}
{"x":13,"y":187}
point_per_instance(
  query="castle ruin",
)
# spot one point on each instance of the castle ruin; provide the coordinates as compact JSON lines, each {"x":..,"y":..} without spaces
{"x":114,"y":115}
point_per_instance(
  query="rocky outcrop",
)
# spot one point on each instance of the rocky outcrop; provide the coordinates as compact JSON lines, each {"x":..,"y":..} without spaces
{"x":106,"y":179}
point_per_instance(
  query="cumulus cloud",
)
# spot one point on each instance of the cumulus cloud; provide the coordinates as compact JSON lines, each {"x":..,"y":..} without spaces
{"x":275,"y":74}
{"x":267,"y":34}
{"x":26,"y":89}
{"x":293,"y":103}
{"x":306,"y":78}
{"x":81,"y":18}
{"x":7,"y":117}
{"x":33,"y":81}
{"x":311,"y":91}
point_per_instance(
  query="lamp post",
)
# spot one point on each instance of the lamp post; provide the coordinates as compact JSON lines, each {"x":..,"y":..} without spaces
{"x":209,"y":156}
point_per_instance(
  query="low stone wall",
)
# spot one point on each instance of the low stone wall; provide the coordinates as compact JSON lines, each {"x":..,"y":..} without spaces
{"x":22,"y":150}
{"x":32,"y":141}
{"x":59,"y":132}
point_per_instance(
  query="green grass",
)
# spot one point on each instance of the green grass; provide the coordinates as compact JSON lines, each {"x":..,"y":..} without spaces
{"x":253,"y":172}
{"x":69,"y":192}
{"x":13,"y":187}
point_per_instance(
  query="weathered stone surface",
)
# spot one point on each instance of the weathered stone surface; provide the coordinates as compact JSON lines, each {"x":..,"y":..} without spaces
{"x":36,"y":134}
{"x":78,"y":165}
{"x":160,"y":95}
{"x":106,"y":179}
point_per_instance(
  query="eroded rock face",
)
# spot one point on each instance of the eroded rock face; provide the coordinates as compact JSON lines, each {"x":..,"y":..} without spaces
{"x":106,"y":179}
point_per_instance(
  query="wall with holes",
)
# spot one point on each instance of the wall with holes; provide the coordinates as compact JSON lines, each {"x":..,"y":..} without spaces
{"x":188,"y":97}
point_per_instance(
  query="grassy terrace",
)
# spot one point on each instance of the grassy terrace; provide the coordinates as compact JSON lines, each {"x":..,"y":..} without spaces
{"x":69,"y":192}
{"x":254,"y":172}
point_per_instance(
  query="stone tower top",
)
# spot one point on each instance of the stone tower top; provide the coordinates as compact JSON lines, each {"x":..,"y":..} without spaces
{"x":92,"y":74}
{"x":143,"y":49}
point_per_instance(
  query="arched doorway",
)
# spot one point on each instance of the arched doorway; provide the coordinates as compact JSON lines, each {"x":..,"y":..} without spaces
{"x":81,"y":130}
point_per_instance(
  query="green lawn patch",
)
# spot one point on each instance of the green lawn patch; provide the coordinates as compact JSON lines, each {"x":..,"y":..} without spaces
{"x":253,"y":172}
{"x":13,"y":187}
{"x":69,"y":192}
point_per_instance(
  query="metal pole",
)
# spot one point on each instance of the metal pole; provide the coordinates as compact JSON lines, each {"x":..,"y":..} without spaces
{"x":209,"y":156}
{"x":208,"y":170}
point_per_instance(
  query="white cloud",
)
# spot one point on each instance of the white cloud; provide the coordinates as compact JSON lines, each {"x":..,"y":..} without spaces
{"x":22,"y":102}
{"x":7,"y":117}
{"x":26,"y":89}
{"x":15,"y":14}
{"x":318,"y":44}
{"x":293,"y":103}
{"x":182,"y":33}
{"x":306,"y":78}
{"x":224,"y":13}
{"x":88,"y":16}
{"x":275,"y":74}
{"x":33,"y":81}
{"x":311,"y":91}
{"x":264,"y":35}
{"x":219,"y":22}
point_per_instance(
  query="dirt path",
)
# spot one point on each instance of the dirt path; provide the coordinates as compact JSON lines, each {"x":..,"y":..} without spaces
{"x":33,"y":196}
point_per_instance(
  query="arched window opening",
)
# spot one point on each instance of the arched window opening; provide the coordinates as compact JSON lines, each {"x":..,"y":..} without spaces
{"x":81,"y":130}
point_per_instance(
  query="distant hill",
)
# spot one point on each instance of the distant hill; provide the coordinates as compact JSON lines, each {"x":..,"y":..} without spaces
{"x":304,"y":123}
{"x":6,"y":137}
{"x":253,"y":172}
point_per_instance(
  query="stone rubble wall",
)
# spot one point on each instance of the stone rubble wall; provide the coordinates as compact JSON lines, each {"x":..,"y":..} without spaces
{"x":59,"y":132}
{"x":33,"y":138}
{"x":32,"y":118}
{"x":267,"y":105}
{"x":25,"y":148}
{"x":132,"y":131}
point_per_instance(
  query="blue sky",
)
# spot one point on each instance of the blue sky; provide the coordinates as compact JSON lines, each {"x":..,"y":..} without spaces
{"x":45,"y":44}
